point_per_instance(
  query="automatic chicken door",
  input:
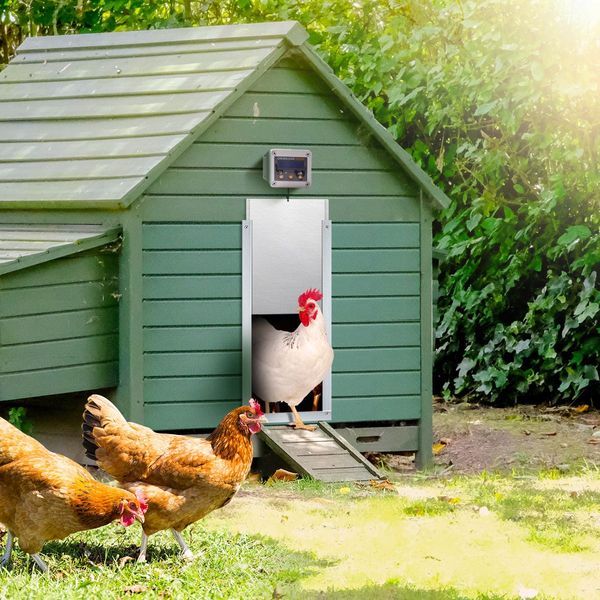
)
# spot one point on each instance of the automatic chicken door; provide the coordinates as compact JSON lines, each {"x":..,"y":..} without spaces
{"x":286,"y":250}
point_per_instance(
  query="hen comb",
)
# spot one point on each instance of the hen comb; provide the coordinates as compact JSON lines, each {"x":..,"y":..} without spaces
{"x":255,"y":406}
{"x":310,"y":294}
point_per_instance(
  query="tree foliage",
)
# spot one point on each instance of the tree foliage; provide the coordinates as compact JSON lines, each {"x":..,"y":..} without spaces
{"x":498,"y":101}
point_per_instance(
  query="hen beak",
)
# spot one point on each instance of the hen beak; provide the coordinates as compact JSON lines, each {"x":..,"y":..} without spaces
{"x":139,"y":516}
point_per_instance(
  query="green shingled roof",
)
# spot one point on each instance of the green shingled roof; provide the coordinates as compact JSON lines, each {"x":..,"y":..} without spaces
{"x":90,"y":120}
{"x":23,"y":246}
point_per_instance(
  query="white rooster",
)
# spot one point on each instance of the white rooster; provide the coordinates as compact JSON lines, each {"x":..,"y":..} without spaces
{"x":286,"y":366}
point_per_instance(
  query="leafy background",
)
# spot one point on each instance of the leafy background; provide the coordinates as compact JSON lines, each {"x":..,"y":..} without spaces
{"x":499,"y":101}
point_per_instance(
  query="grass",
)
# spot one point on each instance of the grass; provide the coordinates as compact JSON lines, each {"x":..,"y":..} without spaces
{"x":483,"y":537}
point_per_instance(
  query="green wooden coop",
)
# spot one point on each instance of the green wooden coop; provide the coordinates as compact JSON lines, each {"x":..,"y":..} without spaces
{"x":146,"y":214}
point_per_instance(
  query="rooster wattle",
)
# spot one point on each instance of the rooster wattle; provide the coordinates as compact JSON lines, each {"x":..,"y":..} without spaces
{"x":286,"y":366}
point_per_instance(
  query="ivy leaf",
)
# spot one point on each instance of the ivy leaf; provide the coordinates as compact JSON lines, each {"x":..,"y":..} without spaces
{"x":574,"y":233}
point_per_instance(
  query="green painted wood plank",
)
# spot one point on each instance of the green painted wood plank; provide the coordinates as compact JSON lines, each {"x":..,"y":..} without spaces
{"x":53,"y":299}
{"x":424,"y":455}
{"x":331,"y":461}
{"x":111,"y":107}
{"x":89,"y":267}
{"x":98,"y":129}
{"x":273,"y":105}
{"x":187,"y":415}
{"x":281,"y":132}
{"x":191,"y":236}
{"x":284,"y":452}
{"x":375,"y":235}
{"x":371,"y":408}
{"x":79,"y":378}
{"x":233,"y":208}
{"x":370,"y":335}
{"x":58,"y":326}
{"x":377,"y":359}
{"x":138,"y":65}
{"x":288,"y":29}
{"x":192,"y":312}
{"x":181,"y":339}
{"x":172,"y":390}
{"x":317,"y":448}
{"x":376,"y":261}
{"x":78,"y":170}
{"x":91,"y":190}
{"x":129,"y":395}
{"x":249,"y":183}
{"x":376,"y":284}
{"x":402,"y":438}
{"x":350,"y":449}
{"x":88,"y":54}
{"x":360,"y":208}
{"x":192,"y":286}
{"x":385,"y":383}
{"x":185,"y":364}
{"x":158,"y":145}
{"x":249,"y":156}
{"x":286,"y":435}
{"x":375,"y":310}
{"x":192,"y":262}
{"x":57,"y":354}
{"x":290,"y":80}
{"x":128,"y":86}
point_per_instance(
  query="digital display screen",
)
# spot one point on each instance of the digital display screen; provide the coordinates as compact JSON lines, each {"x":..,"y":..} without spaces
{"x":290,"y":164}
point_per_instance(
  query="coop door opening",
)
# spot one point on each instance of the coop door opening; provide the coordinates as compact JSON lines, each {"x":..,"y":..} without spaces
{"x":286,"y":250}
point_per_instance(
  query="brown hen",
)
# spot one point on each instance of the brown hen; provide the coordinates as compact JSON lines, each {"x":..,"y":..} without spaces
{"x":45,"y":496}
{"x":182,"y":478}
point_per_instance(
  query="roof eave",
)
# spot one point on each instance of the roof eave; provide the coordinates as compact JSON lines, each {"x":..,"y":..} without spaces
{"x":89,"y":243}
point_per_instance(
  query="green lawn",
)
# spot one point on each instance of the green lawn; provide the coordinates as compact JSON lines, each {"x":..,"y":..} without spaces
{"x":484,"y":536}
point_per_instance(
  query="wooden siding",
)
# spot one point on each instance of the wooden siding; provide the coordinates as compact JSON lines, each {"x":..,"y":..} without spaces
{"x":192,"y":258}
{"x":376,"y":312}
{"x":59,"y":326}
{"x":191,"y":317}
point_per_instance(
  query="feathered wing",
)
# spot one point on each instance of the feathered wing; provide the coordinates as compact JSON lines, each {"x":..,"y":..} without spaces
{"x":132,"y":452}
{"x":14,"y":444}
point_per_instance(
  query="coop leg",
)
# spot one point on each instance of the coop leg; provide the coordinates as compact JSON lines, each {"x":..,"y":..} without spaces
{"x":298,"y":423}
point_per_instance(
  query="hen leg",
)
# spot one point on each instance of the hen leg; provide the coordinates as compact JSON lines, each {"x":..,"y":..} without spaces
{"x":185,"y":549}
{"x":42,"y":566}
{"x":142,"y":555}
{"x":298,"y":423}
{"x":8,"y":550}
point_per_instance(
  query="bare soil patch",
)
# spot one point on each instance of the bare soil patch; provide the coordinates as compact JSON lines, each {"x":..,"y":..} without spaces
{"x":473,"y":438}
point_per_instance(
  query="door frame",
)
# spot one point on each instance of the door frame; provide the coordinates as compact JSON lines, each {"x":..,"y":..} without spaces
{"x":326,"y":303}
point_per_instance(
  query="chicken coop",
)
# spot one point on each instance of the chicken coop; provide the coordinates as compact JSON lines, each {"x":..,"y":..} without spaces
{"x":160,"y":189}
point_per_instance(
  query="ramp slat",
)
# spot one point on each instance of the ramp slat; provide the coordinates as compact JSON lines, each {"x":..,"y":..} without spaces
{"x":321,"y":454}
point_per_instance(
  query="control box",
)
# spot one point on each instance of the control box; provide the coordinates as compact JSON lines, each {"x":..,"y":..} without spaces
{"x":288,"y":168}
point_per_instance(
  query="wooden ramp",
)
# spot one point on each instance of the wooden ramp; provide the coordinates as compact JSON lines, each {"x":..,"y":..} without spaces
{"x":322,"y":454}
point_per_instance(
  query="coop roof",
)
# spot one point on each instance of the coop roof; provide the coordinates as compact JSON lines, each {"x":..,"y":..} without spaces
{"x":23,"y":245}
{"x":90,"y":120}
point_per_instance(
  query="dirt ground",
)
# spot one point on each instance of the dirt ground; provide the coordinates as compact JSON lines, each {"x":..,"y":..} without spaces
{"x":472,"y":438}
{"x":469,"y":438}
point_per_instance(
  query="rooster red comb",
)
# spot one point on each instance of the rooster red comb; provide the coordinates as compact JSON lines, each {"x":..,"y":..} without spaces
{"x":255,"y":406}
{"x":311,"y":294}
